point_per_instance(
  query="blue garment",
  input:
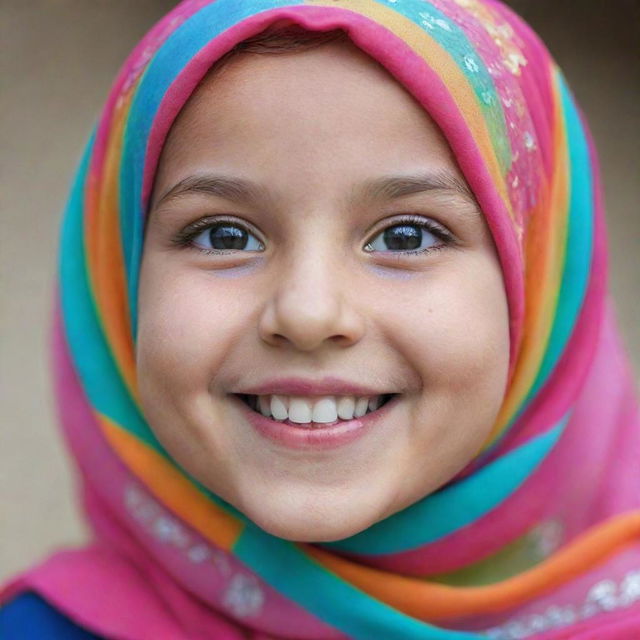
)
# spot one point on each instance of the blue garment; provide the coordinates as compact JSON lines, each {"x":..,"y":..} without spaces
{"x":29,"y":617}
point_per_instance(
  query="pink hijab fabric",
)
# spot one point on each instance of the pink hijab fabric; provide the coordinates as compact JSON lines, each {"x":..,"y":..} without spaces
{"x":537,"y":537}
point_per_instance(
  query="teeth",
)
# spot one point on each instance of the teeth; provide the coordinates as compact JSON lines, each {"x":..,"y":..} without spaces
{"x":322,"y":410}
{"x":362,"y":405}
{"x":325,"y":410}
{"x":264,"y":405}
{"x":346,"y":407}
{"x":299,"y":411}
{"x":278,"y":408}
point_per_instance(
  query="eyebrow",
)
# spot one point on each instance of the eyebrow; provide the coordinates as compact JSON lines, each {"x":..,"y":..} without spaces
{"x":233,"y":189}
{"x":385,"y":188}
{"x":395,"y":187}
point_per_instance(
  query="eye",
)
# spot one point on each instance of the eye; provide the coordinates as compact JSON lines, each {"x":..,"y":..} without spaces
{"x":226,"y":236}
{"x":410,"y":236}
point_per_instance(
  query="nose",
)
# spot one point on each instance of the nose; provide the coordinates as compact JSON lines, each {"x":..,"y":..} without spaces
{"x":311,"y":303}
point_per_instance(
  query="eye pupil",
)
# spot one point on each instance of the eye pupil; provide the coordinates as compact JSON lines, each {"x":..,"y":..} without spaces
{"x":226,"y":236}
{"x":403,"y":237}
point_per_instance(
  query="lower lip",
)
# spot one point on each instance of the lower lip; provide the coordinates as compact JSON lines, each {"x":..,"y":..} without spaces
{"x":329,"y":436}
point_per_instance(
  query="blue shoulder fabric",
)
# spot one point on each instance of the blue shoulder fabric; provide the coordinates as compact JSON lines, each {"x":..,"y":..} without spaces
{"x":29,"y":617}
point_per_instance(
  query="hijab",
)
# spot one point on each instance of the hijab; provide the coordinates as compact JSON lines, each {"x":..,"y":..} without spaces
{"x":536,"y":537}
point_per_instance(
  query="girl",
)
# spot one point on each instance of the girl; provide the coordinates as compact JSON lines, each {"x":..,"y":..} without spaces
{"x":332,"y":346}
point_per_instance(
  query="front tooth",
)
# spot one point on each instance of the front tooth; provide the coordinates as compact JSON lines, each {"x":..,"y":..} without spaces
{"x":325,"y":410}
{"x":299,"y":410}
{"x":346,"y":407}
{"x":362,"y":404}
{"x":264,"y":405}
{"x":278,"y":408}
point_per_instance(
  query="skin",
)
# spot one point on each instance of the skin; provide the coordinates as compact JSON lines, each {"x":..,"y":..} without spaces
{"x":311,"y":128}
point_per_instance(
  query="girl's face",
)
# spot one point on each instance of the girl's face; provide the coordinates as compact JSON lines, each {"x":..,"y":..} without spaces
{"x":309,"y":226}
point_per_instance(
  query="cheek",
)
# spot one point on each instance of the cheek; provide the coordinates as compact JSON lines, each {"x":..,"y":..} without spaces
{"x":457,"y":339}
{"x":186,"y":331}
{"x":458,"y":331}
{"x":186,"y":327}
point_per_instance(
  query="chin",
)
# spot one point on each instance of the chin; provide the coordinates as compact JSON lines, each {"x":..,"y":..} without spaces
{"x":310,"y":525}
{"x":310,"y":532}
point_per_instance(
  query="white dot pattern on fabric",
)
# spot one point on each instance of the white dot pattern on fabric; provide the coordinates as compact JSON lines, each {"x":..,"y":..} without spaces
{"x":199,"y":553}
{"x":548,"y":537}
{"x":166,"y":529}
{"x":432,"y":22}
{"x":472,"y":64}
{"x":244,"y":596}
{"x":604,"y":596}
{"x":487,"y":97}
{"x":529,"y":142}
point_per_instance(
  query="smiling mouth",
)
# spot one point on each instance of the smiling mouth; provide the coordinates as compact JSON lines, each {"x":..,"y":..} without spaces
{"x":314,"y":412}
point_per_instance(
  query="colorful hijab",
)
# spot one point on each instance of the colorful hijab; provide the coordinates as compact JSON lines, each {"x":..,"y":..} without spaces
{"x":538,"y":536}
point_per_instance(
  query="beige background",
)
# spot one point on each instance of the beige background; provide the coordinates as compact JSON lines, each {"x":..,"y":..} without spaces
{"x":59,"y":60}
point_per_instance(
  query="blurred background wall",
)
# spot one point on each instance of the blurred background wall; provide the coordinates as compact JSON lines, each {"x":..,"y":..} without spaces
{"x":59,"y":59}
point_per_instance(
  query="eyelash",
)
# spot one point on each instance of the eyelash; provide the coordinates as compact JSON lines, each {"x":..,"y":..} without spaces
{"x":187,"y":235}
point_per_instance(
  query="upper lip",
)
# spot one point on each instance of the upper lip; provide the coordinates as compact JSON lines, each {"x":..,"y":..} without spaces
{"x":306,"y":387}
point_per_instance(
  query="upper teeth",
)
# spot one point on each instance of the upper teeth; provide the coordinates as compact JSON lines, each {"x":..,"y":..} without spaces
{"x":320,"y":409}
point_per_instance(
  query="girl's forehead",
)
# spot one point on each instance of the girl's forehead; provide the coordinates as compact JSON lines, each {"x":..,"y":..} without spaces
{"x":332,"y":108}
{"x":347,"y":81}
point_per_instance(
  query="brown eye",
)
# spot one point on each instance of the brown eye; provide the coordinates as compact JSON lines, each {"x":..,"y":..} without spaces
{"x":404,"y":237}
{"x":225,"y":236}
